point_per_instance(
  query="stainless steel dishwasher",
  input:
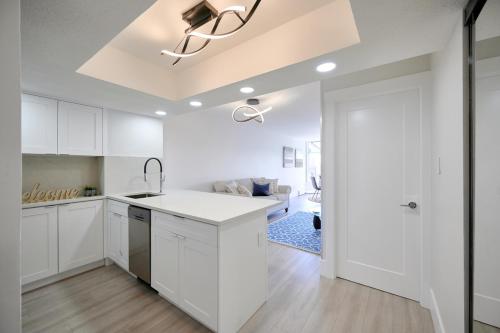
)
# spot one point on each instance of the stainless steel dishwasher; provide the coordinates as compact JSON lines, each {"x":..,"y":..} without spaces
{"x":139,"y":242}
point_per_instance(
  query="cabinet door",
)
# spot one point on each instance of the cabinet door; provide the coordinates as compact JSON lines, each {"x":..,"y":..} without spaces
{"x":198,"y":281}
{"x":80,"y":129}
{"x":123,"y":251}
{"x":39,"y":125}
{"x":38,"y":243}
{"x":128,"y":134}
{"x":165,"y":263}
{"x":114,"y":235}
{"x":80,"y":234}
{"x":118,"y":239}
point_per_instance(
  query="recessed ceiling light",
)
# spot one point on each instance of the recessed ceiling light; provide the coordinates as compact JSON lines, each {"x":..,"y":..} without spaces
{"x":195,"y":103}
{"x":247,"y":90}
{"x":326,"y":67}
{"x":161,"y":113}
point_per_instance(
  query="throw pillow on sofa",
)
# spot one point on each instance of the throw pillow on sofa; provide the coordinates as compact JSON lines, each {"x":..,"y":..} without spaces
{"x":243,"y":190}
{"x":231,"y":187}
{"x":273,"y":187}
{"x":261,"y":190}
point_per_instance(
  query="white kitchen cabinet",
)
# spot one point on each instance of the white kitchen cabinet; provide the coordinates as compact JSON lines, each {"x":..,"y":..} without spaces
{"x":39,"y":125}
{"x":80,"y":234}
{"x":38,"y":243}
{"x":118,"y":233}
{"x":165,"y":263}
{"x":184,"y":265}
{"x":79,"y":129}
{"x":132,"y":135}
{"x":198,"y":280}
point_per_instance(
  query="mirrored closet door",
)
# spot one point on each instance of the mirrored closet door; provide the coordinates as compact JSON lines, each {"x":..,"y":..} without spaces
{"x":485,"y":169}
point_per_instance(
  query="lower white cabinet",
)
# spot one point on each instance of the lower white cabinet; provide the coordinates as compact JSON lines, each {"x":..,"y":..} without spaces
{"x":198,"y":280}
{"x":165,"y":263}
{"x":38,"y":243}
{"x":184,"y":265}
{"x":80,"y":234}
{"x":118,"y":233}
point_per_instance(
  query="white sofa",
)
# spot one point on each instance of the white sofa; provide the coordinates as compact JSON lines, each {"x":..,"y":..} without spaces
{"x":282,"y":194}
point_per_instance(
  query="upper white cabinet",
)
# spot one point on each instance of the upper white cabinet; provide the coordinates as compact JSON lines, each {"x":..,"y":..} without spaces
{"x":79,"y":129}
{"x":57,"y":127}
{"x":39,"y":125}
{"x":38,"y":243}
{"x":128,"y":134}
{"x":80,"y":234}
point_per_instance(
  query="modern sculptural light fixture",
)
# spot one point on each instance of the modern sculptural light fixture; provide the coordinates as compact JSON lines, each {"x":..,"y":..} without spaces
{"x":201,"y":14}
{"x":250,"y":111}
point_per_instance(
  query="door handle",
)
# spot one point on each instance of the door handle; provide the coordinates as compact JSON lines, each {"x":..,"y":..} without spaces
{"x":410,"y":204}
{"x":180,"y":237}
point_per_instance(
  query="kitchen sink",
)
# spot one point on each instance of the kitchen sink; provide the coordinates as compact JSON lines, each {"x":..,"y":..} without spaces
{"x":143,"y":195}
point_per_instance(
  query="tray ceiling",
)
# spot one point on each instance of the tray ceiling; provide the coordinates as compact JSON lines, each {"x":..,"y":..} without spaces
{"x":280,"y":34}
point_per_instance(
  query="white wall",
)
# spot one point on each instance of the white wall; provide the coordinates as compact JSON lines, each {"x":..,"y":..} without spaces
{"x":10,"y":167}
{"x":206,"y":146}
{"x":447,"y":240}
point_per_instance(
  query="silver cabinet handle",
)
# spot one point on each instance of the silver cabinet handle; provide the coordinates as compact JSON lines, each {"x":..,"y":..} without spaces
{"x":180,"y":237}
{"x":116,"y":214}
{"x":410,"y":204}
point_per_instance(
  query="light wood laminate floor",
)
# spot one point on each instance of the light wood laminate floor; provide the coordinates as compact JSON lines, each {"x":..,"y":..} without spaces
{"x":109,"y":300}
{"x":480,"y":327}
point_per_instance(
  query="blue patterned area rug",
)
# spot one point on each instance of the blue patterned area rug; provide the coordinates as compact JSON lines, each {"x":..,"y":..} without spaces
{"x":297,"y":231}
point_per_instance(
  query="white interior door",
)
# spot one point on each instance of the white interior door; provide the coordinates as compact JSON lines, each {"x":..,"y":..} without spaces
{"x":378,"y":158}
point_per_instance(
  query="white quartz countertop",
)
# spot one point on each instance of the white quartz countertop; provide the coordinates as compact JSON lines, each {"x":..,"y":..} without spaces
{"x":62,"y":202}
{"x":205,"y":207}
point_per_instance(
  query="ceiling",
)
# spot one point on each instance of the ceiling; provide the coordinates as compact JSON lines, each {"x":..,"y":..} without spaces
{"x":60,"y":36}
{"x":296,"y":112}
{"x":161,"y":27}
{"x":268,"y":42}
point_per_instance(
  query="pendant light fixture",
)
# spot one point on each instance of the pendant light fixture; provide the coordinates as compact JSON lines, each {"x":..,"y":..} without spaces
{"x":201,"y":14}
{"x":250,"y":111}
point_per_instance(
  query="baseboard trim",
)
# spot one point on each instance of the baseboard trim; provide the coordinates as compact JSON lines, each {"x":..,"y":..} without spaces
{"x":486,"y":309}
{"x":436,"y":314}
{"x":61,"y":276}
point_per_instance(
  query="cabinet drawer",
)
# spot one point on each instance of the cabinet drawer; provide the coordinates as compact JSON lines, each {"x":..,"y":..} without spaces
{"x":118,"y":207}
{"x":202,"y":232}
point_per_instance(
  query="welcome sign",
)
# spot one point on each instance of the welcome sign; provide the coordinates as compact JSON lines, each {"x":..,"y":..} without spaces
{"x":58,"y":194}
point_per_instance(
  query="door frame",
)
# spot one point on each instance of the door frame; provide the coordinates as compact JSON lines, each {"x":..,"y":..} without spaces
{"x":422,"y":83}
{"x":470,"y":15}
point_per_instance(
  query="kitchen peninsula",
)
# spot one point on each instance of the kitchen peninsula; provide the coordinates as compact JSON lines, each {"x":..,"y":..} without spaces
{"x":208,"y":252}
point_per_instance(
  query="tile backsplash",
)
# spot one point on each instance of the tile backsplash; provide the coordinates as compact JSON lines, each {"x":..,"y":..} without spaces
{"x":53,"y":172}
